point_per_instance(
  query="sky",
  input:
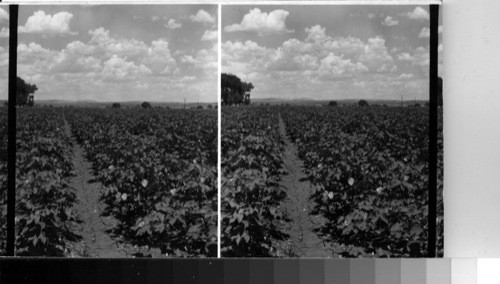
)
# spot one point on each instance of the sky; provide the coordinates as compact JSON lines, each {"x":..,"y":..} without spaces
{"x":329,"y":52}
{"x":157,"y":53}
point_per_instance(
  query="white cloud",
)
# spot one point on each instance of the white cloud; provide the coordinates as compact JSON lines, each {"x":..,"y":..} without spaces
{"x":4,"y":33}
{"x":172,"y":24}
{"x":205,"y":59}
{"x":318,"y":56}
{"x":124,"y":47}
{"x":4,"y":16}
{"x":426,"y":32}
{"x":155,"y":18}
{"x":210,"y":35}
{"x":187,"y":79}
{"x":235,"y":52}
{"x":376,"y":57}
{"x":389,"y":21}
{"x":33,"y":52}
{"x":440,"y":47}
{"x":372,"y":15}
{"x":418,"y":13}
{"x":333,"y":67}
{"x":118,"y":69}
{"x":405,"y":56}
{"x":47,"y":25}
{"x":262,"y":23}
{"x":101,"y":56}
{"x":406,"y":76}
{"x":159,"y":58}
{"x":283,"y":60}
{"x":420,"y":57}
{"x":202,"y":16}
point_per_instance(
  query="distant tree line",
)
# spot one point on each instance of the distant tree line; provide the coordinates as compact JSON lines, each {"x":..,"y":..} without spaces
{"x":234,"y":91}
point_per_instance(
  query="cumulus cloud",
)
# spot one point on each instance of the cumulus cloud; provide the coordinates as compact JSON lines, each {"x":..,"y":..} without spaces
{"x":205,"y":59}
{"x":209,"y":35}
{"x":202,"y":16}
{"x":376,"y":57}
{"x":418,"y":13}
{"x":389,"y":21}
{"x":333,"y":67}
{"x":4,"y":16}
{"x":4,"y":33}
{"x":283,"y":60}
{"x":159,"y":58}
{"x":420,"y":57}
{"x":238,"y":52}
{"x":102,"y":56}
{"x":172,"y":24}
{"x":262,"y":23}
{"x":101,"y":38}
{"x":117,"y":68}
{"x":187,"y":79}
{"x":319,"y":55}
{"x":406,"y":76}
{"x":426,"y":32}
{"x":47,"y":25}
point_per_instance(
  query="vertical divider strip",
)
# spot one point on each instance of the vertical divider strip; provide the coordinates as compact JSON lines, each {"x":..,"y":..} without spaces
{"x":433,"y":128}
{"x":11,"y":146}
{"x":219,"y":132}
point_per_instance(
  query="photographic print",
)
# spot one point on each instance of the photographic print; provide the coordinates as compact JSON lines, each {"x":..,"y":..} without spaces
{"x":116,"y":130}
{"x":325,"y":131}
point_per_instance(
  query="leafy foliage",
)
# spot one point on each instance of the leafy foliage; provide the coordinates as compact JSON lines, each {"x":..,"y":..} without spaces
{"x":370,"y":169}
{"x":43,"y":197}
{"x":3,"y":180}
{"x":362,"y":103}
{"x":234,"y":91}
{"x":251,"y":168}
{"x":159,"y":170}
{"x":24,"y":93}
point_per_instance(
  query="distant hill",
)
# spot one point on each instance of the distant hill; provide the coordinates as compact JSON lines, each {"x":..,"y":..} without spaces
{"x":90,"y":103}
{"x":309,"y":101}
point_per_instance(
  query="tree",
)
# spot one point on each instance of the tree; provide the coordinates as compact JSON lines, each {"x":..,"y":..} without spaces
{"x":362,"y":103}
{"x":25,"y":93}
{"x":115,"y":105}
{"x":209,"y":106}
{"x":234,"y":91}
{"x":332,"y":103}
{"x":145,"y":105}
{"x":247,"y":88}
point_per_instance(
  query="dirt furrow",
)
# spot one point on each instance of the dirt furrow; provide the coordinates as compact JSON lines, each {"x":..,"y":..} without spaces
{"x":95,"y":239}
{"x":303,"y":240}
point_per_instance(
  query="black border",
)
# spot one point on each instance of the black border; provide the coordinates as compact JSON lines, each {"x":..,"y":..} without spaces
{"x":11,"y":146}
{"x":433,"y":128}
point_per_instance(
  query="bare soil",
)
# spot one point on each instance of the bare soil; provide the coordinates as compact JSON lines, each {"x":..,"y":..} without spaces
{"x":94,"y":229}
{"x":303,"y":241}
